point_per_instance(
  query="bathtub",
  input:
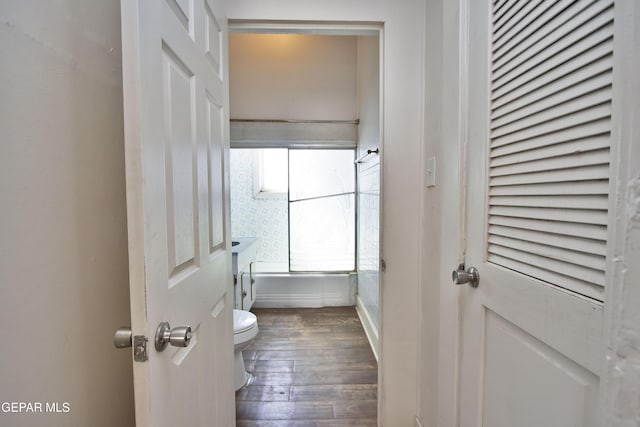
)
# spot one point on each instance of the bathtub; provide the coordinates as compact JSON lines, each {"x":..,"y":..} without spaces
{"x":283,"y":290}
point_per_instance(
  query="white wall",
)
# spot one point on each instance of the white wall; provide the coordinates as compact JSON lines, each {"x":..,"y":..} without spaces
{"x":292,"y":76}
{"x":433,"y":253}
{"x":63,"y":241}
{"x":401,"y":171}
{"x":368,"y":79}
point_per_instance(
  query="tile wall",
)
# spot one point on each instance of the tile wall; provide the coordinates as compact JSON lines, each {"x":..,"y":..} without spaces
{"x":264,"y":219}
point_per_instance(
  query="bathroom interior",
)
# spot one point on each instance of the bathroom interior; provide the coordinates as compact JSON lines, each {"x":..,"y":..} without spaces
{"x":304,"y":176}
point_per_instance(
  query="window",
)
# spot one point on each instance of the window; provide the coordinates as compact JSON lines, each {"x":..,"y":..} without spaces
{"x":299,"y":203}
{"x":321,"y":210}
{"x":271,"y":174}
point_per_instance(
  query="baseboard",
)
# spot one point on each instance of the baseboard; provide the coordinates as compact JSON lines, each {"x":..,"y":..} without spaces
{"x":370,"y":329}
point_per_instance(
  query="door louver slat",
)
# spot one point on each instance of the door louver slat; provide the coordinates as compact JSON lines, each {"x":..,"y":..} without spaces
{"x":577,"y":93}
{"x":557,"y":79}
{"x":560,"y":267}
{"x":529,"y":23}
{"x":568,"y":148}
{"x":535,"y":31}
{"x":512,"y":15}
{"x":570,"y":175}
{"x":578,"y":244}
{"x":552,"y":189}
{"x":540,"y":46}
{"x":576,"y":257}
{"x":566,"y":282}
{"x":598,"y":202}
{"x":594,"y":231}
{"x":517,"y":100}
{"x":591,"y":114}
{"x":562,"y":109}
{"x":581,"y":132}
{"x":562,"y":63}
{"x":498,"y":6}
{"x":564,"y":215}
{"x":574,"y":160}
{"x":550,"y":132}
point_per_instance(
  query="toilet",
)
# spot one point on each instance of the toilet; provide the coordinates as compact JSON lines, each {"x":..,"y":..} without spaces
{"x":245,"y":329}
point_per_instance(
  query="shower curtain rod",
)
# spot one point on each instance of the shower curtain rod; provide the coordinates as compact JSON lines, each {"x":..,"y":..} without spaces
{"x":370,"y":151}
{"x":342,"y":122}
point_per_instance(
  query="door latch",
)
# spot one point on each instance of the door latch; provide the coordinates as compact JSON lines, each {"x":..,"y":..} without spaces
{"x":140,"y":348}
{"x":124,"y":339}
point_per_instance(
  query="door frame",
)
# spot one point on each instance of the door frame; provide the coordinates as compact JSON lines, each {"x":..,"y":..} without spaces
{"x":453,"y":118}
{"x":622,"y":294}
{"x":622,"y":297}
{"x":354,"y":28}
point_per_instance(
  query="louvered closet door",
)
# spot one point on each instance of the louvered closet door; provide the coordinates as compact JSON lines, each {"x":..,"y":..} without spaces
{"x":540,"y":78}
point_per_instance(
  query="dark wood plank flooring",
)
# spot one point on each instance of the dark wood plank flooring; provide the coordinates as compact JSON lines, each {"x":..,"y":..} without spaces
{"x":312,"y":367}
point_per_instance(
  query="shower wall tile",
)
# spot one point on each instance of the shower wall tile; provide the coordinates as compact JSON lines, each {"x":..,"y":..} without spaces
{"x":368,"y":239}
{"x":265,"y":219}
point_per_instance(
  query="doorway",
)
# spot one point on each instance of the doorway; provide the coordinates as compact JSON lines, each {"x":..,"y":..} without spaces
{"x":302,"y":112}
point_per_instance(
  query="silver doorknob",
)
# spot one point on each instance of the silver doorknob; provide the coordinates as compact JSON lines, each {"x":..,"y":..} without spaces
{"x":469,"y":276}
{"x":179,"y":336}
{"x":122,"y":338}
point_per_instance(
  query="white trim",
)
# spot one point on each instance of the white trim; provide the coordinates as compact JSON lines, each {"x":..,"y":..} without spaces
{"x":382,"y":387}
{"x":400,"y":225}
{"x":370,"y":329}
{"x":452,"y":239}
{"x":621,"y":329}
{"x":306,"y":27}
{"x":292,"y":135}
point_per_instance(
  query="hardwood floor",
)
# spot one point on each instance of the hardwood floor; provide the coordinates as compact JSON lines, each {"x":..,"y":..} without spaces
{"x":312,"y":367}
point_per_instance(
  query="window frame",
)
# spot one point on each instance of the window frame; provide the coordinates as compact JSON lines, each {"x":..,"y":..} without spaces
{"x":259,"y":191}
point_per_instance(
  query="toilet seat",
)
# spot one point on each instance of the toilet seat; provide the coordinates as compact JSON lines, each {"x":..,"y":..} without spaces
{"x":243,"y":321}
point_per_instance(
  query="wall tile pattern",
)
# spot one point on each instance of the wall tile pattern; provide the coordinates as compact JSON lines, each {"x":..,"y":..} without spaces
{"x":264,"y":219}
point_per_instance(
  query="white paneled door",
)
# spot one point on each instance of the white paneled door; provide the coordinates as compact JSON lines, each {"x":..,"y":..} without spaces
{"x":176,"y":133}
{"x":537,"y":211}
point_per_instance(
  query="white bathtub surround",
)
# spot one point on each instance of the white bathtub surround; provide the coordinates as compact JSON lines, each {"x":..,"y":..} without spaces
{"x":369,"y":240}
{"x":368,"y":324}
{"x":285,"y":290}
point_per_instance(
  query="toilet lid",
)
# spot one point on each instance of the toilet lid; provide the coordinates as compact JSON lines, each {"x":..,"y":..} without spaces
{"x":243,"y":320}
